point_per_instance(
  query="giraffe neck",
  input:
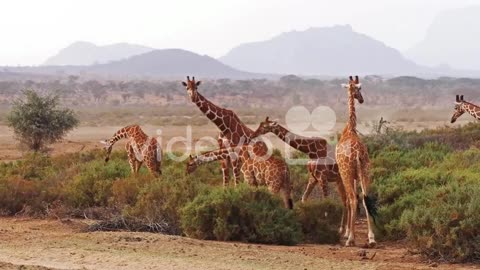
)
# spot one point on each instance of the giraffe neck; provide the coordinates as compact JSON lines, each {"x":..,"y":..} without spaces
{"x":472,"y":109}
{"x":352,"y":117}
{"x":211,"y":156}
{"x":315,"y":147}
{"x":227,"y":121}
{"x":130,"y":132}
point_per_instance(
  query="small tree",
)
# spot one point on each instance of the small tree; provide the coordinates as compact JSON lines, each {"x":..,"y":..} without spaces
{"x":37,"y":120}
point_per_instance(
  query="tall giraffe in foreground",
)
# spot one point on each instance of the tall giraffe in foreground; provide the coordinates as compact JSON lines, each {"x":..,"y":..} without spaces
{"x":321,"y":167}
{"x":257,"y":166}
{"x":353,"y":163}
{"x":140,"y":148}
{"x":232,"y":129}
{"x":462,"y":106}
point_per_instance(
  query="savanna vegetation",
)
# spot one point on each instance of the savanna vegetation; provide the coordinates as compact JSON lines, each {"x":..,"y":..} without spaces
{"x":426,"y":185}
{"x":113,"y":102}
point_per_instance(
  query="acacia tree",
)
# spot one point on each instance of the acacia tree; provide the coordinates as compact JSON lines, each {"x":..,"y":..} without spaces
{"x":38,"y":120}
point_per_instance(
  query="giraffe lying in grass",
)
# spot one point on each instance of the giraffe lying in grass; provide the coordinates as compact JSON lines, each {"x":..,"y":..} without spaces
{"x":257,"y":167}
{"x":140,"y":148}
{"x":321,"y":167}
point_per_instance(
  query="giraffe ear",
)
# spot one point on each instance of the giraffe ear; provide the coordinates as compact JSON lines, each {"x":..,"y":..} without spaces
{"x":104,"y":142}
{"x":345,"y":85}
{"x":198,"y":83}
{"x":184,"y":84}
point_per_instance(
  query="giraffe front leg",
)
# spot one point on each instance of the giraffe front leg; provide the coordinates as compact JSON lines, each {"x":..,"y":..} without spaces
{"x":312,"y":182}
{"x":131,"y":158}
{"x":236,"y":171}
{"x":138,"y":164}
{"x":225,"y":171}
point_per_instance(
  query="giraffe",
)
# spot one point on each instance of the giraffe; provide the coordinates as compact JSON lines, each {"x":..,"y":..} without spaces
{"x":353,"y":163}
{"x":321,"y":167}
{"x":257,"y":167}
{"x":462,"y":106}
{"x":234,"y":132}
{"x":140,"y":148}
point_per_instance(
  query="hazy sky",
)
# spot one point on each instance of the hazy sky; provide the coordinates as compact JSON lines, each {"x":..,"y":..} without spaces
{"x":32,"y":30}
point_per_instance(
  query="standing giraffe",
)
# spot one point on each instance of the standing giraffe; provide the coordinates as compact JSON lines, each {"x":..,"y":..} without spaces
{"x":461,"y":106}
{"x":321,"y":167}
{"x":257,"y":168}
{"x":140,"y":148}
{"x":234,"y":132}
{"x":353,"y":163}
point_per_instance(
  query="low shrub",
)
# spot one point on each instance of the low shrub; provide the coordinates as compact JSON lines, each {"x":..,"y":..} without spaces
{"x":159,"y":201}
{"x":240,"y":214}
{"x":320,"y":220}
{"x":446,"y":224}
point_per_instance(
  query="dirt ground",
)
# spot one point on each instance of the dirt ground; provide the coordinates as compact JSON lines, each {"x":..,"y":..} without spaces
{"x":65,"y":244}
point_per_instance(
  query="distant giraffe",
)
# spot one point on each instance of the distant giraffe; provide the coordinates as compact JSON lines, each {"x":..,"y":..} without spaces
{"x":322,"y":167}
{"x":140,"y":148}
{"x":353,"y":163}
{"x":232,"y":129}
{"x":257,"y":167}
{"x":462,"y":106}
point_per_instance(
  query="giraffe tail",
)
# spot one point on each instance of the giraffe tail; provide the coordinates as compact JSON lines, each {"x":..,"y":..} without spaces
{"x":371,"y":204}
{"x":290,"y":203}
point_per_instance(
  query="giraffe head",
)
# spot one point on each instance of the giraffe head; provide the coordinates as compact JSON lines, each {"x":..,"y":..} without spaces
{"x":354,"y":87}
{"x":191,"y":86}
{"x":191,"y":164}
{"x":459,"y":109}
{"x":266,"y":127}
{"x":108,"y":148}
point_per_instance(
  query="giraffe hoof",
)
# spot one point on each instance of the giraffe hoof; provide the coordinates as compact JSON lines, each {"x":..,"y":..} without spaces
{"x":350,"y":243}
{"x":372,"y":244}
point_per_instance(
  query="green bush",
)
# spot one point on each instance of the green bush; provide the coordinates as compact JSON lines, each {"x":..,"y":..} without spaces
{"x":160,"y":200}
{"x":240,"y":214}
{"x":93,"y":185}
{"x":446,"y":224}
{"x":320,"y":220}
{"x":39,"y":120}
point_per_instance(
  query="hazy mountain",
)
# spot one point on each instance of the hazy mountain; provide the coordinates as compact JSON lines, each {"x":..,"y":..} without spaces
{"x":453,"y":39}
{"x":333,"y":50}
{"x":168,"y":63}
{"x":85,"y":53}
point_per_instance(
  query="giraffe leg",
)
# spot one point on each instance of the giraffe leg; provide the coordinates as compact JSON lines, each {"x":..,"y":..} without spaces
{"x":324,"y":184}
{"x":364,"y":184}
{"x":236,"y":170}
{"x":287,"y":191}
{"x":225,"y":171}
{"x":312,"y":182}
{"x":343,"y":197}
{"x":138,"y":164}
{"x":348,"y":177}
{"x":131,"y":157}
{"x":152,"y":165}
